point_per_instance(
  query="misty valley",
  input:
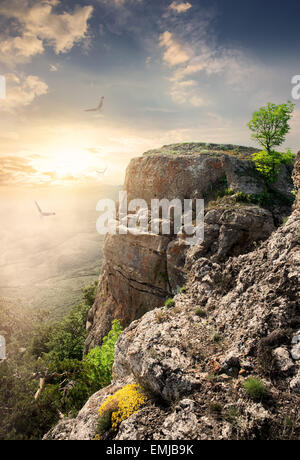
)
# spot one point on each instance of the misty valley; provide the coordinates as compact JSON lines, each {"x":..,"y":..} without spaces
{"x":45,"y":261}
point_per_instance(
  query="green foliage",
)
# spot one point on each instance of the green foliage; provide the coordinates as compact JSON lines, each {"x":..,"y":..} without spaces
{"x":266,"y":199}
{"x":268,"y":164}
{"x":169,"y":303}
{"x":99,"y":361}
{"x":104,"y":423}
{"x":89,"y":293}
{"x":67,"y":338}
{"x":53,"y":351}
{"x":163,"y":276}
{"x":199,"y":312}
{"x":255,"y":388}
{"x":183,"y":290}
{"x":270,"y":125}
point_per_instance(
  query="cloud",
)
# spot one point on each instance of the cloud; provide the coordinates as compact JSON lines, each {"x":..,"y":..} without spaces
{"x":38,"y":25}
{"x":20,"y":48}
{"x":15,"y":169}
{"x":174,"y":54}
{"x":180,"y":7}
{"x":190,"y":50}
{"x":22,"y":91}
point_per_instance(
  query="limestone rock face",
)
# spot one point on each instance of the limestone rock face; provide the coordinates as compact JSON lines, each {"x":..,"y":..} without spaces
{"x":188,"y":176}
{"x":133,"y":280}
{"x":141,"y":271}
{"x":241,"y":313}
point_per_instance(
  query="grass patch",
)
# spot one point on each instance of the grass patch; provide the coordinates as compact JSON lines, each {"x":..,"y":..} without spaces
{"x":201,"y":313}
{"x":161,"y":317}
{"x":216,"y":408}
{"x":216,"y":338}
{"x":231,"y":414}
{"x":255,"y":389}
{"x":169,"y":303}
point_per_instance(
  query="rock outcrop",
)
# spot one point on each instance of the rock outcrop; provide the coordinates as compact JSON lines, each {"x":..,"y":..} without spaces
{"x":141,"y":271}
{"x":238,"y":318}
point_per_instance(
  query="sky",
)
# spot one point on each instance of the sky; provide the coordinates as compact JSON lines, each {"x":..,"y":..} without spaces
{"x":170,"y":71}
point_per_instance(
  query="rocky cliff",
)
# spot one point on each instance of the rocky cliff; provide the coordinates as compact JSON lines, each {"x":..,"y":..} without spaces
{"x":140,"y":272}
{"x":239,"y":317}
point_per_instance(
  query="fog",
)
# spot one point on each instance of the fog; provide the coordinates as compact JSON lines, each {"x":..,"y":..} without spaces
{"x":44,"y":261}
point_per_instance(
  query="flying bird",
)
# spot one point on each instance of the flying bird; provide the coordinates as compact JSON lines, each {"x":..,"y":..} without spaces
{"x":101,"y":171}
{"x":97,"y":109}
{"x":44,"y":214}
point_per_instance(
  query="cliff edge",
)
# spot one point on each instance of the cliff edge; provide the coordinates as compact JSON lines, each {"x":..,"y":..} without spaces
{"x":238,"y":318}
{"x":141,"y":271}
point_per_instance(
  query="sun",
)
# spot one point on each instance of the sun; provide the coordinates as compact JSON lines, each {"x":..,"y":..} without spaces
{"x":67,"y":162}
{"x":72,"y":163}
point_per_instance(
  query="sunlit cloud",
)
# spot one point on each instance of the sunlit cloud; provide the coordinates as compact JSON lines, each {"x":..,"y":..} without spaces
{"x":180,"y":7}
{"x":174,"y":54}
{"x":22,"y":91}
{"x":38,"y":26}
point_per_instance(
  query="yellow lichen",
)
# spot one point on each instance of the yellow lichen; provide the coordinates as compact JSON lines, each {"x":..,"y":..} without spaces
{"x":123,"y":404}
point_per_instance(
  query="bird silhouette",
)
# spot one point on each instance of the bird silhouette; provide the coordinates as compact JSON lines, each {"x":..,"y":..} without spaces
{"x":101,"y":171}
{"x":97,"y":109}
{"x":44,"y":214}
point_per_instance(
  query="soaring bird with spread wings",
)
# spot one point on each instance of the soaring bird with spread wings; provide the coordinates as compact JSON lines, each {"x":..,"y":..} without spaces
{"x":97,"y":109}
{"x":101,"y":172}
{"x":44,"y":214}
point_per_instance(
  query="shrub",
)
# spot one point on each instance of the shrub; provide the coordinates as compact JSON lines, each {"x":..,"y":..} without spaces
{"x":255,"y":388}
{"x":268,"y":164}
{"x":89,"y":293}
{"x":183,"y":290}
{"x":169,"y":303}
{"x":99,"y":361}
{"x":120,"y":406}
{"x":266,"y":199}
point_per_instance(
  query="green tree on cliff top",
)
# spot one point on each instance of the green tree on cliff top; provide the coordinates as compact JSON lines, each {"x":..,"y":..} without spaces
{"x":270,"y":125}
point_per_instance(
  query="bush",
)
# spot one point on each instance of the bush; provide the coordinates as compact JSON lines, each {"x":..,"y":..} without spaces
{"x":89,"y":293}
{"x":69,"y":380}
{"x":120,"y":406}
{"x":266,"y":199}
{"x":99,"y":361}
{"x":255,"y":388}
{"x":268,"y":164}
